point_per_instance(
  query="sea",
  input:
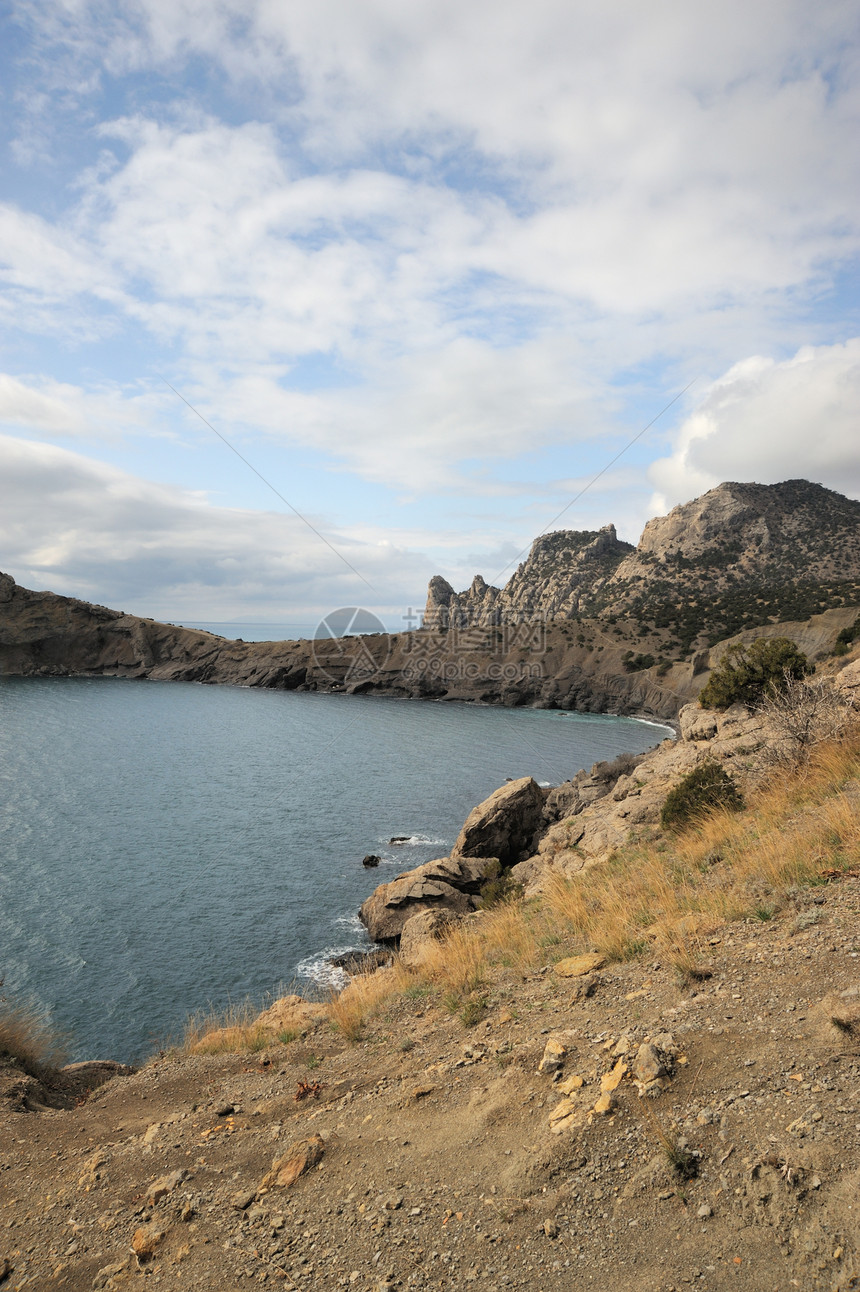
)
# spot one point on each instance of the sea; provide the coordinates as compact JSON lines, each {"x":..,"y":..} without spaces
{"x":167,"y":847}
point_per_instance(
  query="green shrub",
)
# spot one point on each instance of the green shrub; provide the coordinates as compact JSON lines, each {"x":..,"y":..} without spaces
{"x":636,"y":663}
{"x":500,"y":886}
{"x":847,"y":637}
{"x":748,"y":673}
{"x":707,"y":786}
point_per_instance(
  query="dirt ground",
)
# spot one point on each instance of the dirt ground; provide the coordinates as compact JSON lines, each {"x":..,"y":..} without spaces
{"x":436,"y":1164}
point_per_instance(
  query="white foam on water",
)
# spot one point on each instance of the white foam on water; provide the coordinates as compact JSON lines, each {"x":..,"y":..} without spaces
{"x":351,"y":922}
{"x":649,"y":722}
{"x":319,"y":969}
{"x":416,"y":841}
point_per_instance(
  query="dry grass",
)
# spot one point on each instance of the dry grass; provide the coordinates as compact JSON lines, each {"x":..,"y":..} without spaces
{"x":668,"y":897}
{"x":726,"y":867}
{"x":28,"y":1039}
{"x":363,"y":996}
{"x":231,"y":1030}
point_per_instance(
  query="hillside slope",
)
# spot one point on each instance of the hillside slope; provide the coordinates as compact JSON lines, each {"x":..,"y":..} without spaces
{"x":741,"y":556}
{"x":686,"y":1117}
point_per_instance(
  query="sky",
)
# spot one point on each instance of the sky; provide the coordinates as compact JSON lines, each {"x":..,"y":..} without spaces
{"x":302,"y":303}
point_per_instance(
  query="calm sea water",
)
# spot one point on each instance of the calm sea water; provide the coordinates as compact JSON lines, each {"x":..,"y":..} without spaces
{"x":166,"y":846}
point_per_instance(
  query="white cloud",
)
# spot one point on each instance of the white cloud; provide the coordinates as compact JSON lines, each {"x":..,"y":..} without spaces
{"x":642,"y":161}
{"x":86,"y":529}
{"x":60,"y":408}
{"x":768,"y":421}
{"x":422,"y":240}
{"x":432,"y":421}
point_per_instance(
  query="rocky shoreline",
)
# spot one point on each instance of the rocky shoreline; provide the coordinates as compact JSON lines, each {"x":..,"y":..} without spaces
{"x":597,"y":1124}
{"x":528,"y":833}
{"x":555,"y":665}
{"x":592,"y":1123}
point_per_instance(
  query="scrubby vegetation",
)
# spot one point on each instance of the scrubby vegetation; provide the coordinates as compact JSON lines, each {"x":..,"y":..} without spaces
{"x":847,"y":637}
{"x":663,"y":896}
{"x":610,"y":772}
{"x":705,"y":789}
{"x":27,"y":1039}
{"x":500,"y":886}
{"x":801,"y":715}
{"x":746,"y":674}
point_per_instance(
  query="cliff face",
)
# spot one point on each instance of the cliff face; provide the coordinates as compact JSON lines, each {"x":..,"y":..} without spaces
{"x":740,"y":556}
{"x":563,"y":570}
{"x":584,"y":666}
{"x":586,"y":623}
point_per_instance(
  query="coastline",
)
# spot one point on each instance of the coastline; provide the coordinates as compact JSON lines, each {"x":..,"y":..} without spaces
{"x":236,"y":804}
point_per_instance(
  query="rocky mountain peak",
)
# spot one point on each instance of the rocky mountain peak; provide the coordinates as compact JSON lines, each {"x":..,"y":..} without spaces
{"x":740,"y":555}
{"x":752,"y":514}
{"x":561,"y":568}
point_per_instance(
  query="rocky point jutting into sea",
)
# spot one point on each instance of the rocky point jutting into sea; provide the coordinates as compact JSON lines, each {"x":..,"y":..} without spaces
{"x":586,"y":623}
{"x":677,"y":1106}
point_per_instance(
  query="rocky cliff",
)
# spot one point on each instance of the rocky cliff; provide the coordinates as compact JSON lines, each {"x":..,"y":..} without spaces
{"x":590,"y":666}
{"x":741,"y":556}
{"x":564,"y":570}
{"x":587,"y":623}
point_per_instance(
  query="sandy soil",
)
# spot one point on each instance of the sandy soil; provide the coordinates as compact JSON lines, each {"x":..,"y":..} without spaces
{"x":438,"y":1164}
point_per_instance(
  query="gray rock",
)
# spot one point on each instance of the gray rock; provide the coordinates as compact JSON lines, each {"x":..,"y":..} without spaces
{"x":649,"y":1064}
{"x":420,"y":932}
{"x":449,"y":883}
{"x":505,"y":824}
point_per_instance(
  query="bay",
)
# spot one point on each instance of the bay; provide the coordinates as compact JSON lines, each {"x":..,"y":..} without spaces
{"x":168,"y":846}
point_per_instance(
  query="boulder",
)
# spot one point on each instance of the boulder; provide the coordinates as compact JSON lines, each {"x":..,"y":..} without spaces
{"x":363,"y":962}
{"x":449,"y":883}
{"x":504,"y":825}
{"x":145,"y":1240}
{"x":370,"y":860}
{"x":287,"y":1168}
{"x":419,"y":934}
{"x":696,"y":723}
{"x":579,"y":966}
{"x":571,"y":797}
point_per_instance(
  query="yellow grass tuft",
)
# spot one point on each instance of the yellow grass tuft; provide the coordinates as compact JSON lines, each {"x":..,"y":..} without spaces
{"x":350,"y":1008}
{"x":234,"y":1029}
{"x":28,"y":1039}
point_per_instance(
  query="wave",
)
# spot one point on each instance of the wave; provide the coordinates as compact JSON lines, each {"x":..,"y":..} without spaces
{"x":318,"y":968}
{"x":349,"y":922}
{"x":651,"y":722}
{"x":415,"y":841}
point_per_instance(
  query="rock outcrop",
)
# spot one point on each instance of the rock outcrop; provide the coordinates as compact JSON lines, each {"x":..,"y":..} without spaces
{"x":419,"y":934}
{"x":735,"y":558}
{"x":497,"y":833}
{"x":449,"y":884}
{"x":504,"y":824}
{"x":586,"y":623}
{"x":562,"y":570}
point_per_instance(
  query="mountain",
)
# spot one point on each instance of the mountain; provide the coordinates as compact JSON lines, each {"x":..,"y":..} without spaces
{"x":564,"y":570}
{"x":586,"y":623}
{"x":741,"y":556}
